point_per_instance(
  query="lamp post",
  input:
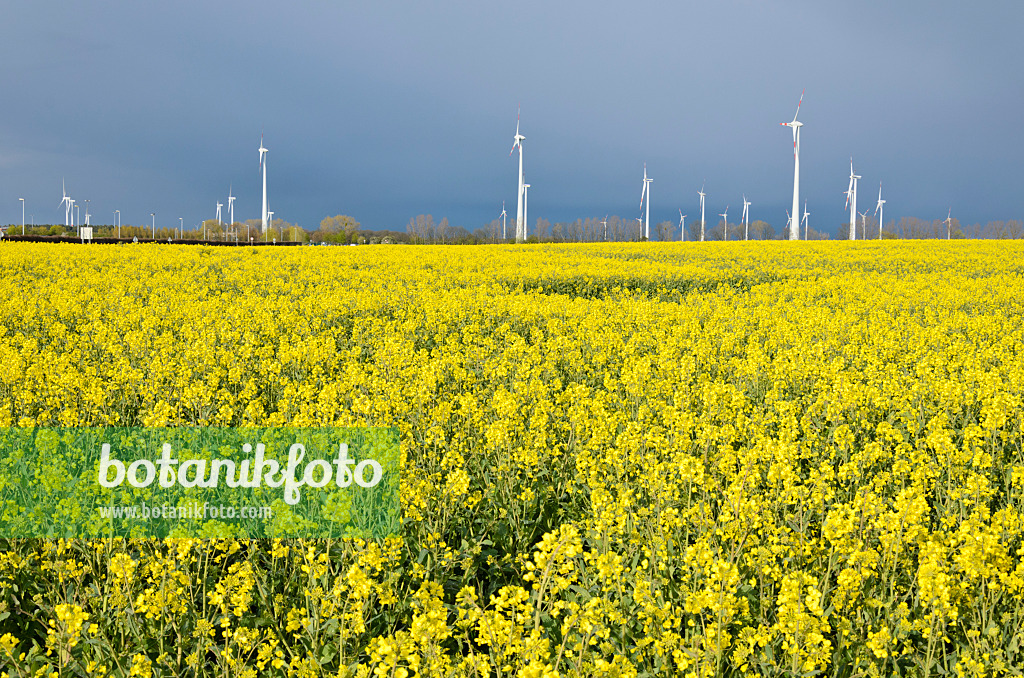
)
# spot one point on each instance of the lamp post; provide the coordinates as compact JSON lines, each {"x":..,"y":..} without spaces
{"x":22,"y":215}
{"x":182,"y":229}
{"x":117,"y":213}
{"x":153,"y":214}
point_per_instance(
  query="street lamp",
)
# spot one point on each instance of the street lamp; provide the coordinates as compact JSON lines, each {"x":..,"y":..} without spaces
{"x":182,"y":229}
{"x":153,"y":214}
{"x":117,"y":213}
{"x":22,"y":215}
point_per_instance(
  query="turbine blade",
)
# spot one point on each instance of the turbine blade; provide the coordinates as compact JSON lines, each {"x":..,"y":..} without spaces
{"x":798,"y":104}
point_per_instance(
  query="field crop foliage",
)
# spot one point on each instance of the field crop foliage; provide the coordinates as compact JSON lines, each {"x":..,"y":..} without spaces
{"x":777,"y":459}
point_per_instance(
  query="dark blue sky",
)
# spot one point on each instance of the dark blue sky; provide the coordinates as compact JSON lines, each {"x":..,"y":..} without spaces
{"x":384,"y":110}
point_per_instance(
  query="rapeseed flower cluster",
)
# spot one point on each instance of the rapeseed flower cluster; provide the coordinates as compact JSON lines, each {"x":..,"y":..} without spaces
{"x":772,"y":459}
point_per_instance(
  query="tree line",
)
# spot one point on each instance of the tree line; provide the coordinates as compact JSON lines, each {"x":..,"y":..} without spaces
{"x":343,"y":230}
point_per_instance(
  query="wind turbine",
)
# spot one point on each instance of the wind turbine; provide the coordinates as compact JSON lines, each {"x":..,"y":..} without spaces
{"x":263,"y":168}
{"x":789,"y":221}
{"x":864,"y":223}
{"x":794,"y":229}
{"x":604,"y":222}
{"x":725,"y":216}
{"x":231,"y":209}
{"x":851,"y":200}
{"x":66,"y":201}
{"x":219,"y":221}
{"x":646,"y":194}
{"x":949,"y":221}
{"x":701,"y":193}
{"x":805,"y":221}
{"x":503,"y":215}
{"x":682,"y":226}
{"x":746,"y":218}
{"x":880,"y":211}
{"x":520,"y":216}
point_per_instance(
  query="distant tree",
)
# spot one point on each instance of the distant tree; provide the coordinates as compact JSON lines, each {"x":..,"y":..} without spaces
{"x":664,"y":230}
{"x":995,"y":229}
{"x":633,"y":230}
{"x":443,"y":232}
{"x":283,"y":231}
{"x":490,"y":232}
{"x":209,"y":229}
{"x":761,"y":230}
{"x":341,"y":229}
{"x":542,"y":229}
{"x":912,"y":227}
{"x":253,"y":230}
{"x":421,"y":228}
{"x":574,"y":231}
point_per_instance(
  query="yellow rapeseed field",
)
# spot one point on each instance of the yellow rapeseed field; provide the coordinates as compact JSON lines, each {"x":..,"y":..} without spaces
{"x":778,"y":459}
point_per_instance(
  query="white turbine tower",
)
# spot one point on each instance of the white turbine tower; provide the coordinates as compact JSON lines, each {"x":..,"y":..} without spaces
{"x":520,"y":216}
{"x":66,"y":202}
{"x":864,"y":223}
{"x":526,"y":204}
{"x":805,"y":221}
{"x":725,"y":216}
{"x":701,"y":193}
{"x":682,"y":226}
{"x":604,"y":222}
{"x":231,"y":205}
{"x":794,"y":229}
{"x":645,"y":195}
{"x":949,"y":222}
{"x":503,"y":215}
{"x":880,"y":211}
{"x":219,"y":221}
{"x":263,"y":168}
{"x":746,"y":218}
{"x":851,"y":200}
